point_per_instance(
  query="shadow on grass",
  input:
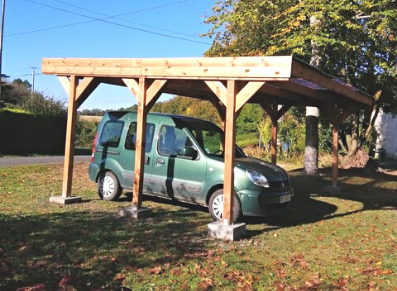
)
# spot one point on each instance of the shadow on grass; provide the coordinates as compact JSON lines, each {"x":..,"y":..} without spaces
{"x":92,"y":248}
{"x":369,"y":189}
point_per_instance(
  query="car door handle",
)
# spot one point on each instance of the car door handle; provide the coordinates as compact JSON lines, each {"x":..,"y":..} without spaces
{"x":160,"y":162}
{"x":147,"y":159}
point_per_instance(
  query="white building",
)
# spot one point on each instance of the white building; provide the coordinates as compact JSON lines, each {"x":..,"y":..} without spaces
{"x":386,"y":128}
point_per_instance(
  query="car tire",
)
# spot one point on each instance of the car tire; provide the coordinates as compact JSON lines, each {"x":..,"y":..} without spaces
{"x":215,"y":206}
{"x":108,"y":186}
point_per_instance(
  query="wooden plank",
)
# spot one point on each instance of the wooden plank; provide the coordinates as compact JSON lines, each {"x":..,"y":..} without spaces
{"x":133,"y":86}
{"x":230,"y":139}
{"x":296,"y":88}
{"x":70,"y":137}
{"x":140,"y":145}
{"x":282,"y":111}
{"x":246,"y":93}
{"x":219,"y":90}
{"x":279,"y":92}
{"x":267,"y":61}
{"x":85,"y":88}
{"x":154,"y":92}
{"x":182,"y":68}
{"x":301,"y":70}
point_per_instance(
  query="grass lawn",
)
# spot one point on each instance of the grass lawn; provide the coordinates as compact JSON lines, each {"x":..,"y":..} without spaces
{"x":345,"y":241}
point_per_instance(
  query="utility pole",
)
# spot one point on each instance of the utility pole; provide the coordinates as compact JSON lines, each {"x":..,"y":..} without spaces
{"x":1,"y":39}
{"x":33,"y":72}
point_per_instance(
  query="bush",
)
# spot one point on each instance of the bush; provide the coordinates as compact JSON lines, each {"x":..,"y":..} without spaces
{"x":24,"y":133}
{"x":85,"y":133}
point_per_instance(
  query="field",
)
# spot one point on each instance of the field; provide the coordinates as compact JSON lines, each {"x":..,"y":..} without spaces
{"x":342,"y":241}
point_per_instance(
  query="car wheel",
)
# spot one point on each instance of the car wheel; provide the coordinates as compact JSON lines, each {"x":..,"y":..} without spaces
{"x":108,"y":187}
{"x":215,"y":206}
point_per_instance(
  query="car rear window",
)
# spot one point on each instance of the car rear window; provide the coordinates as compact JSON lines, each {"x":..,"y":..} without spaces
{"x":111,"y":134}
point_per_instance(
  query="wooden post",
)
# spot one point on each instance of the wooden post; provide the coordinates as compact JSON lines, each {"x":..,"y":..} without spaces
{"x":335,"y":155}
{"x":229,"y":152}
{"x":70,"y":137}
{"x":275,"y":114}
{"x":140,"y":145}
{"x":274,"y":141}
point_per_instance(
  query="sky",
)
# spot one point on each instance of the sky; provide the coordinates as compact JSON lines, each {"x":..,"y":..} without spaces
{"x":37,"y":29}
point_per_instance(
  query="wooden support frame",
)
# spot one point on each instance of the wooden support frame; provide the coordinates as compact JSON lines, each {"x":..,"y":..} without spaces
{"x":78,"y":93}
{"x":275,"y":114}
{"x":147,"y":95}
{"x":70,"y":137}
{"x":234,"y":81}
{"x":337,"y":116}
{"x":230,"y":140}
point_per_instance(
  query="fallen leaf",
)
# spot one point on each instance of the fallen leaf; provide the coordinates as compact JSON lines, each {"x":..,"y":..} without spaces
{"x":206,"y":284}
{"x":156,"y":270}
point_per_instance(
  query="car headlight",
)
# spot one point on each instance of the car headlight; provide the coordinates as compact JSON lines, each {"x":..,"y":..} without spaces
{"x":257,"y":178}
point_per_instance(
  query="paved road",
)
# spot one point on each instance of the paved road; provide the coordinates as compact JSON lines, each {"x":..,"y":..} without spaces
{"x":9,"y":162}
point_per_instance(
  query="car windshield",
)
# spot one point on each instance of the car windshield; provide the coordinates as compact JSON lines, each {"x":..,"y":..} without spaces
{"x":211,"y":138}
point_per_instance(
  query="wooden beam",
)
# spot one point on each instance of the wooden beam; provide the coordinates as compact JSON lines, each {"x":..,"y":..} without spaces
{"x":304,"y":71}
{"x":140,"y":145}
{"x":230,"y":140}
{"x":244,"y":68}
{"x":70,"y":137}
{"x":275,"y":114}
{"x":219,"y":90}
{"x":282,"y":111}
{"x":133,"y":86}
{"x":85,"y":88}
{"x":246,"y":93}
{"x":154,"y":92}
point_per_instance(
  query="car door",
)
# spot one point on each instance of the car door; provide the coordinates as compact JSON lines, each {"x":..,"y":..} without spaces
{"x":175,"y":173}
{"x":127,"y":156}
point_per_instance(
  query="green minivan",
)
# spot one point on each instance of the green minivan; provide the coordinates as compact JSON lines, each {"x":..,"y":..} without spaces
{"x":184,"y":161}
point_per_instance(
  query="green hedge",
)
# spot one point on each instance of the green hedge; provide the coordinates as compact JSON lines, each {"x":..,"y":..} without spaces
{"x":24,"y":133}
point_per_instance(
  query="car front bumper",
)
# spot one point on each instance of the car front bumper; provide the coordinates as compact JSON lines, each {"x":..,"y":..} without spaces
{"x":263,"y":203}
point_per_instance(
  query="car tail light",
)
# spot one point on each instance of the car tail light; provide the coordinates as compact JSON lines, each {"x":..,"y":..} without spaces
{"x":93,"y":149}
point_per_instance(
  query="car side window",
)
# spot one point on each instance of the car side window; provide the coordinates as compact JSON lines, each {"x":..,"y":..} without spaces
{"x":111,"y":134}
{"x":174,"y":141}
{"x":130,"y":141}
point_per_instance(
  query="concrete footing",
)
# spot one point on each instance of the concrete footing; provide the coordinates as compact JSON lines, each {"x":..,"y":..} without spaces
{"x":65,"y":200}
{"x":135,"y":213}
{"x":218,"y":229}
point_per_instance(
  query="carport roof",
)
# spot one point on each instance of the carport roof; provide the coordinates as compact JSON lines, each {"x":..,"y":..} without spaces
{"x":288,"y":81}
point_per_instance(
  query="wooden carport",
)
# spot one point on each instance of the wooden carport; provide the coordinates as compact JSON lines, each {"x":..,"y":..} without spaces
{"x":276,"y":83}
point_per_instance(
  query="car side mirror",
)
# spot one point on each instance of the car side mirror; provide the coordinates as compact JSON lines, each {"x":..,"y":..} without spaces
{"x":189,"y":152}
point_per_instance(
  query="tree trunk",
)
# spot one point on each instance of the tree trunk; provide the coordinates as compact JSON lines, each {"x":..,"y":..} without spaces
{"x":312,"y":113}
{"x":311,"y":144}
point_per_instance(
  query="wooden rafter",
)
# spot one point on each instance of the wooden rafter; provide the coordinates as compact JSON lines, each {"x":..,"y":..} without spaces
{"x":306,"y":72}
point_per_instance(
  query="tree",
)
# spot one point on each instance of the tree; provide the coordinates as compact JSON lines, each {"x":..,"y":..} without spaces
{"x":24,"y":83}
{"x":357,"y":40}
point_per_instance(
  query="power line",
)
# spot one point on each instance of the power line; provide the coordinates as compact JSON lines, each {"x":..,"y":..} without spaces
{"x":106,"y":15}
{"x":92,"y":19}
